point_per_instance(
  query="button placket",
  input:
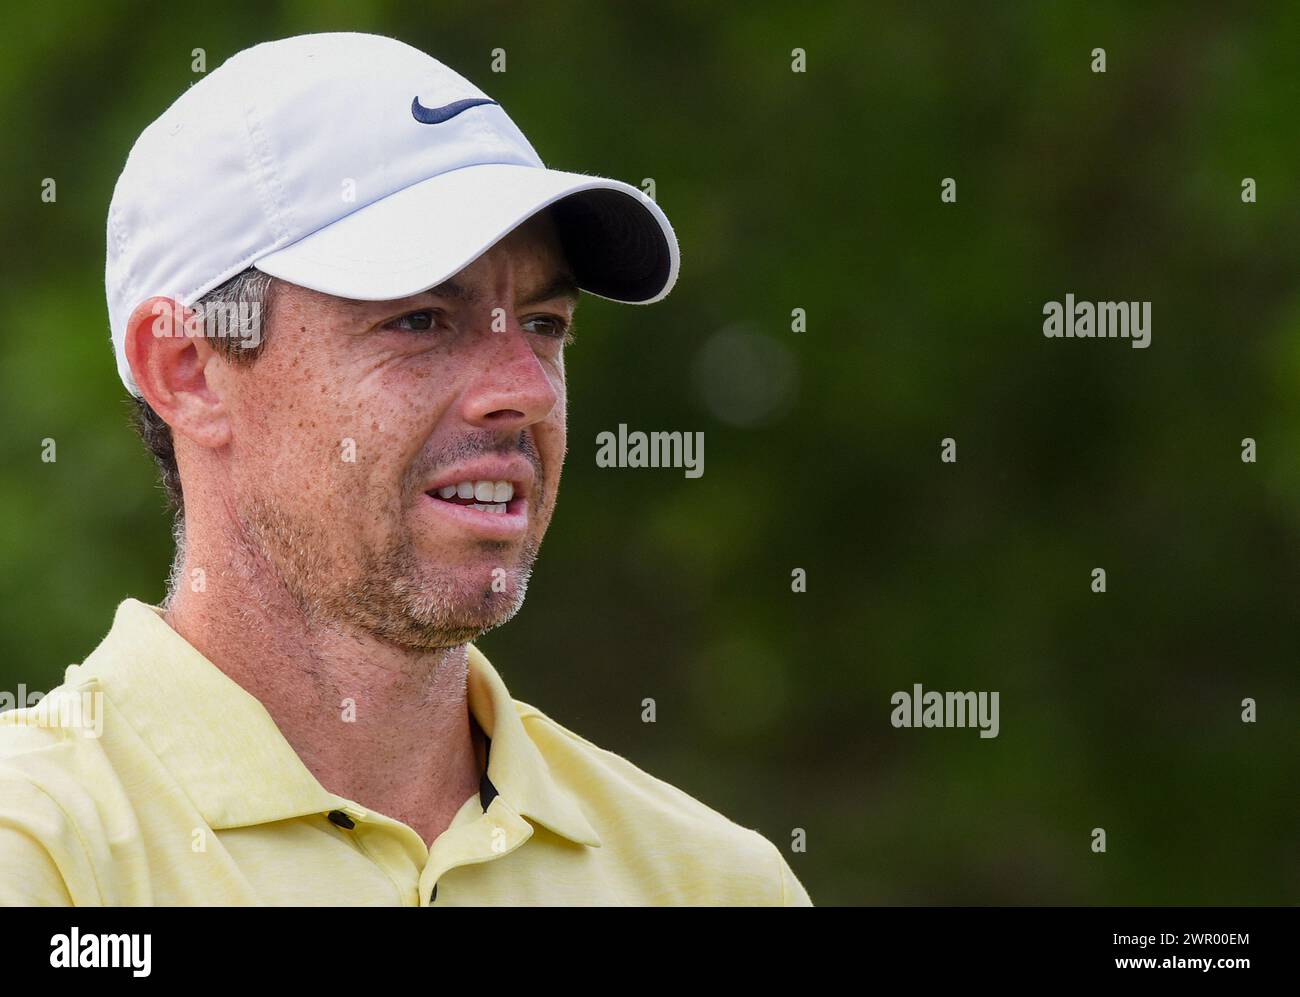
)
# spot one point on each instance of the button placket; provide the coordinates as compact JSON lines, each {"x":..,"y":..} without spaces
{"x":392,"y":846}
{"x":492,"y":836}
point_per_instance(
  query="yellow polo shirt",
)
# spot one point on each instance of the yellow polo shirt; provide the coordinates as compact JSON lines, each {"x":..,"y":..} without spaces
{"x":150,"y":777}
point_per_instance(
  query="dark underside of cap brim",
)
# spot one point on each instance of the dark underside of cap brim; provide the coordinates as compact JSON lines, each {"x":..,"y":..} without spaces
{"x":614,"y":245}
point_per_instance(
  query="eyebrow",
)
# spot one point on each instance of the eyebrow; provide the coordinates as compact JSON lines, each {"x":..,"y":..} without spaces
{"x":562,"y":285}
{"x":456,"y":292}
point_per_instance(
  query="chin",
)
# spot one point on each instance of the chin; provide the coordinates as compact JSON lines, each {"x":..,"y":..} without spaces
{"x":456,"y":625}
{"x":442,"y":608}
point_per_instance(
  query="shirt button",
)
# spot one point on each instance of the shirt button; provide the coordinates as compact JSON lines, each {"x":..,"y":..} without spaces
{"x":341,"y":819}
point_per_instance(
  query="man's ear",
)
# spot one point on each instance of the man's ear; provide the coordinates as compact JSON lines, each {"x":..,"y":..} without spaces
{"x":172,"y":362}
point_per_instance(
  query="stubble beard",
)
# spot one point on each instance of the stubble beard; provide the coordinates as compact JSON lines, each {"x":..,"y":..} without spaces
{"x":388,"y":593}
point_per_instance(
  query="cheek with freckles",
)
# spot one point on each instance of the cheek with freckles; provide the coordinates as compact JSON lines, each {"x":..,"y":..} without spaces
{"x":303,"y":452}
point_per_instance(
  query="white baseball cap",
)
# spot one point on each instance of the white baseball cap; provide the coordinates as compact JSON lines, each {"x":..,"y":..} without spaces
{"x":357,"y":166}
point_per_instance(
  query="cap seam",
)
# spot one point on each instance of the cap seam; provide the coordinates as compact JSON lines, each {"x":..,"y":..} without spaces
{"x":260,"y":159}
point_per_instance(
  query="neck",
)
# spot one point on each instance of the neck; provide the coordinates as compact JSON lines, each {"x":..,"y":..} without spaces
{"x":388,"y":728}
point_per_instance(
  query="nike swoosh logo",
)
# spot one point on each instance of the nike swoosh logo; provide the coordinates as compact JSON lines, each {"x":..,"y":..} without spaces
{"x":437,"y":115}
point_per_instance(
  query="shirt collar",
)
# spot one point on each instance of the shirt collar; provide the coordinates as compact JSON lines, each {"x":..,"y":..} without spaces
{"x":229,"y":757}
{"x":516,"y":765}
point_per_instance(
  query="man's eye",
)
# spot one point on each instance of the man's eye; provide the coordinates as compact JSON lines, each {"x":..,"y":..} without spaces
{"x":421,"y":321}
{"x":550,"y":325}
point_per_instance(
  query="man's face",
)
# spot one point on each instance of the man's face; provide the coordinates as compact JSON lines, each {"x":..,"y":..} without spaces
{"x":362,"y":425}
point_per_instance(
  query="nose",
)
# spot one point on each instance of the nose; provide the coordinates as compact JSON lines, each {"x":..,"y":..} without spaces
{"x":513,"y":389}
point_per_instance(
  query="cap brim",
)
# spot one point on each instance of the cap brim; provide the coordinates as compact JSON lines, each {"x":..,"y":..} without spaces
{"x":619,"y":243}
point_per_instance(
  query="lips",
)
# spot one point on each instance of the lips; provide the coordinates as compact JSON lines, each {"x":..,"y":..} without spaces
{"x":488,"y":498}
{"x":487,"y":521}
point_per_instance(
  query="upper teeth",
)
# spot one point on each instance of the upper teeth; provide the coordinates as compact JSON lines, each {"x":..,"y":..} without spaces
{"x":480,"y":491}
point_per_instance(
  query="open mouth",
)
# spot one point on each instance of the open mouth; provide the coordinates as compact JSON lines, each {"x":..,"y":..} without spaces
{"x":492,"y":502}
{"x":485,"y":496}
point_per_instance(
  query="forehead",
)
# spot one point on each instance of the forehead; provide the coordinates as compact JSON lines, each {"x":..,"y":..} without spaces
{"x":531,"y":254}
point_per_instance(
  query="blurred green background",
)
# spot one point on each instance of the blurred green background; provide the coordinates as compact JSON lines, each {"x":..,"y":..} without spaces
{"x":820,"y":191}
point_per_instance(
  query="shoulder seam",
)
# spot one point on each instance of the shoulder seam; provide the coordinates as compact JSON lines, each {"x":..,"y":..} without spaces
{"x":76,"y":828}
